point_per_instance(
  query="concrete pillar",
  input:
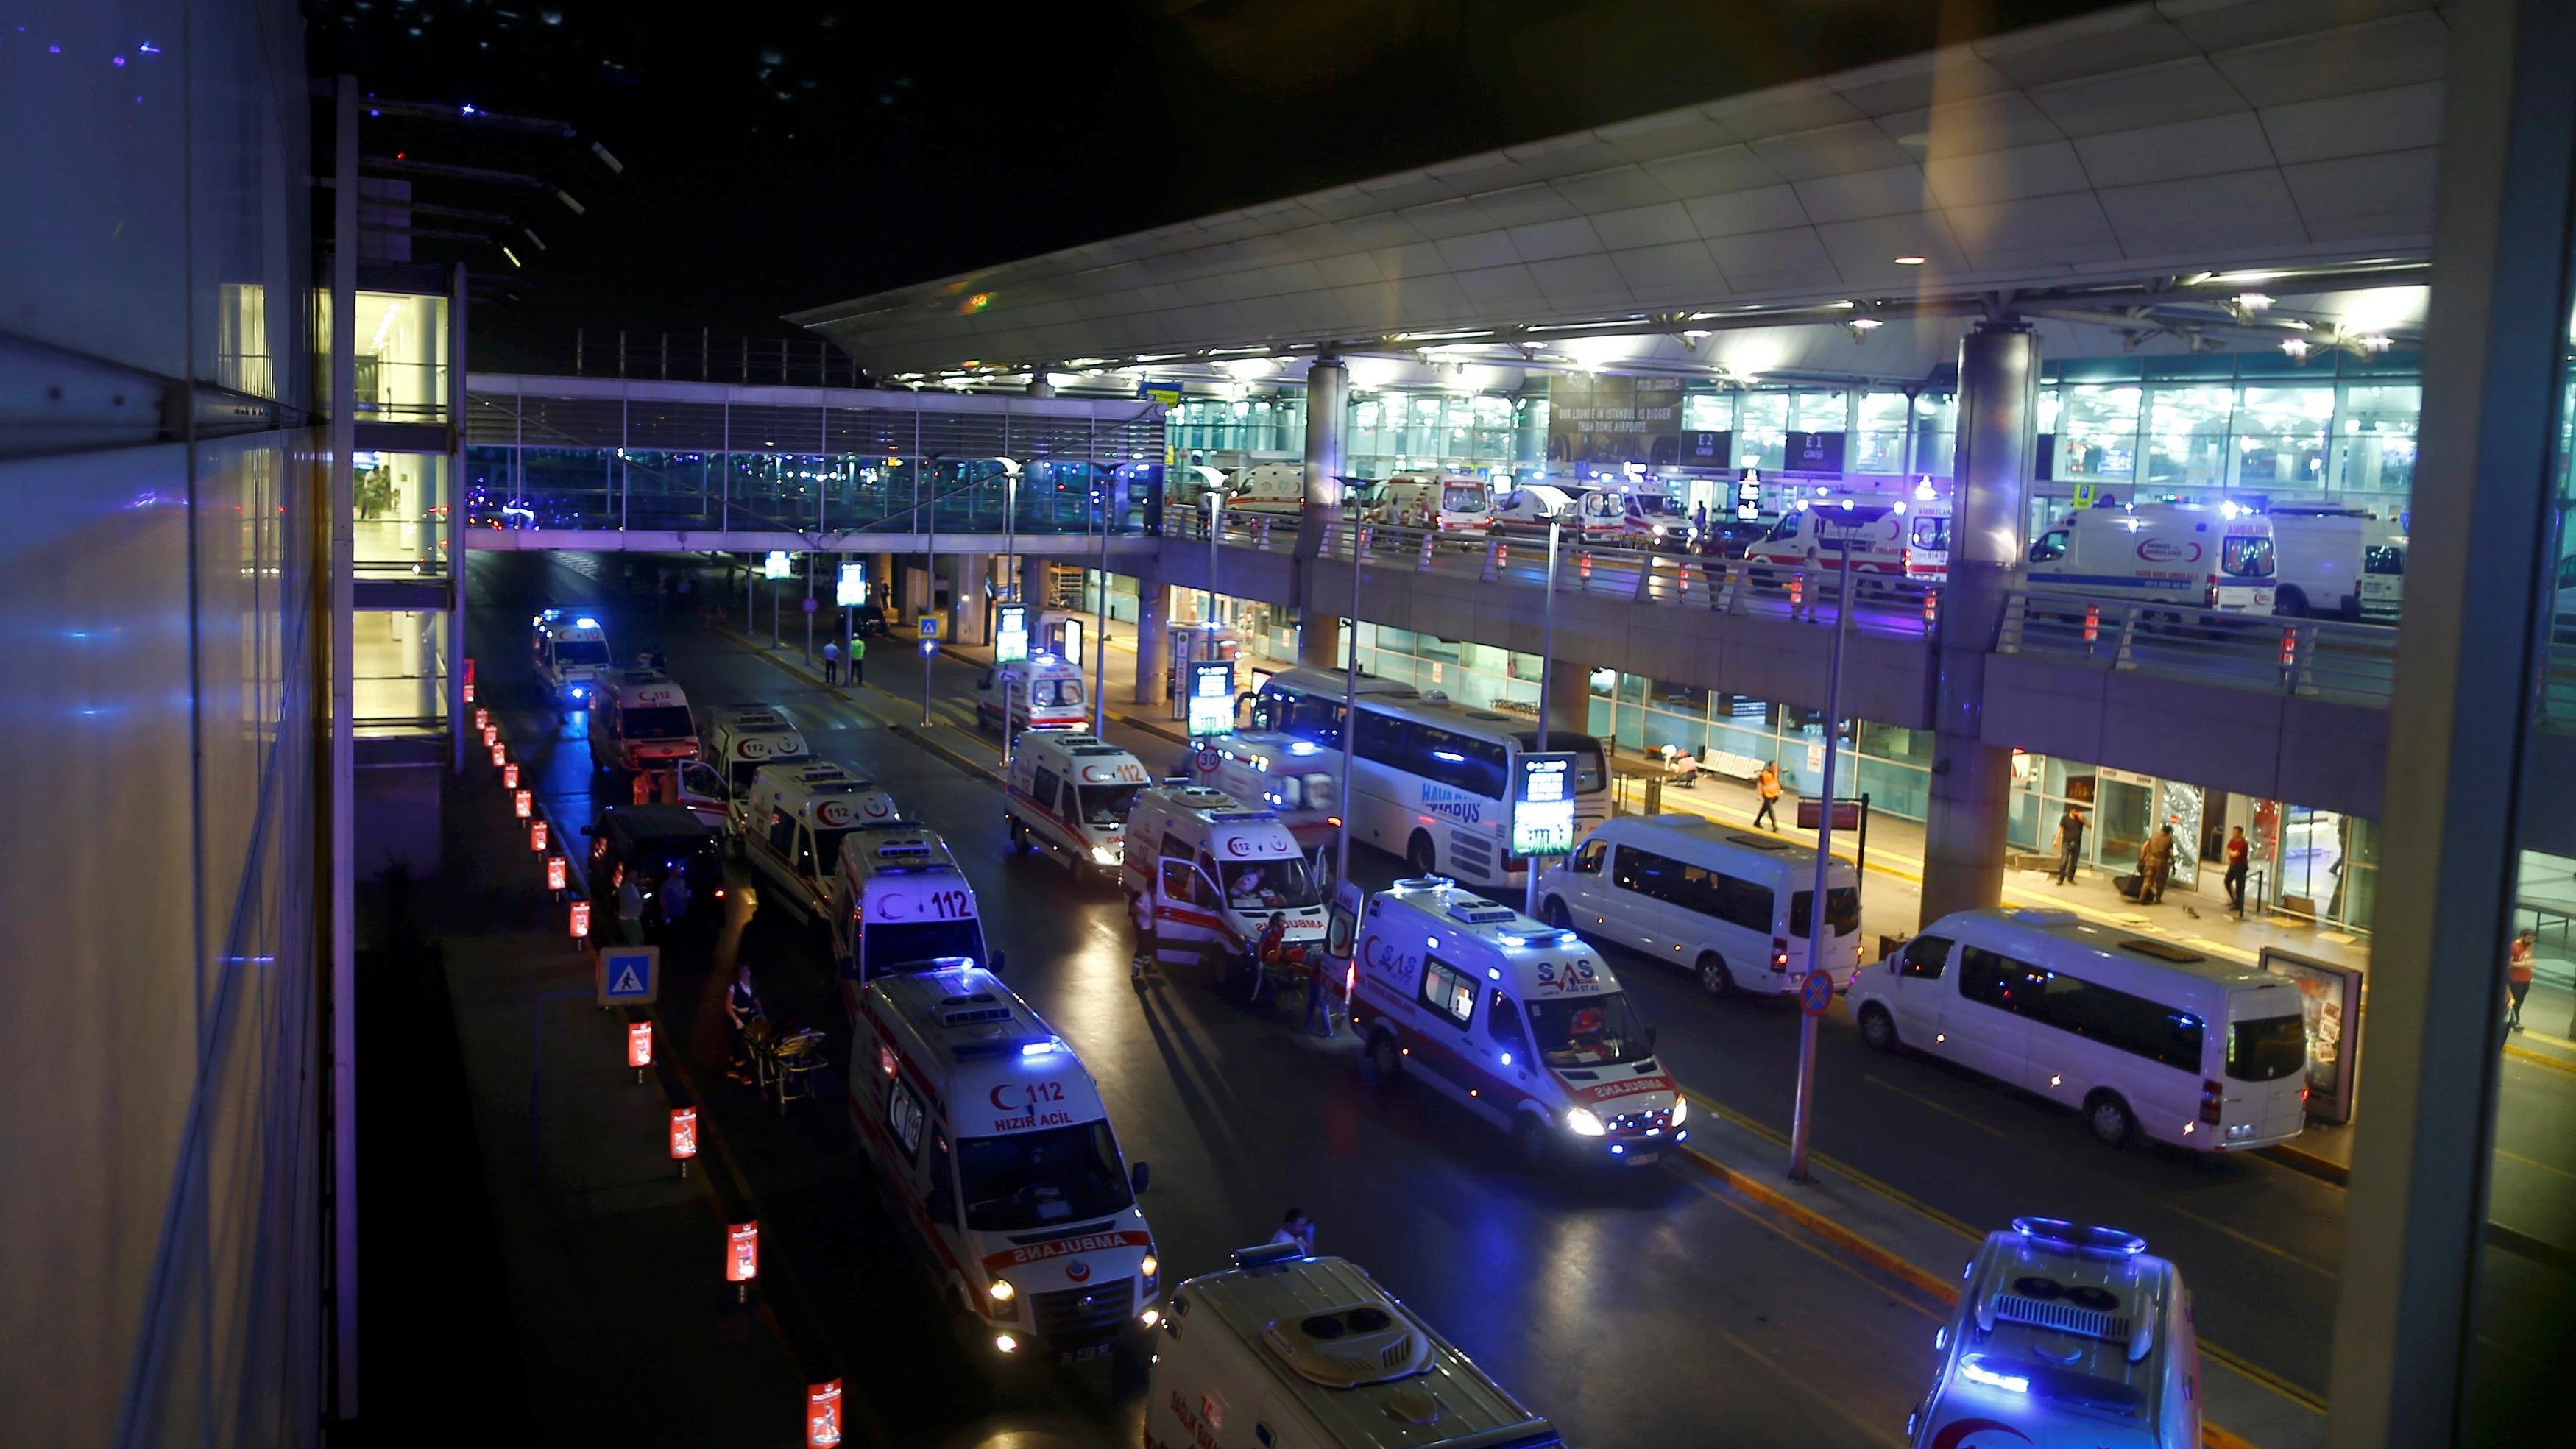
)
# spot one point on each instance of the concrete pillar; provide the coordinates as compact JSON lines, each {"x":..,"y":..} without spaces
{"x":1038,"y":384}
{"x":1569,"y":697}
{"x":1319,"y":640}
{"x":1154,"y":611}
{"x":1963,"y":846}
{"x":971,"y":573}
{"x":1529,"y":444}
{"x":1033,"y":582}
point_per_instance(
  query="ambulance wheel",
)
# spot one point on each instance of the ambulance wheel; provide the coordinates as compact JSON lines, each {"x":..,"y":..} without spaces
{"x":1530,"y":1142}
{"x":1419,"y":855}
{"x":2112,"y":1122}
{"x":1019,"y":835}
{"x":1386,"y":1062}
{"x":2290,"y":602}
{"x":1878,"y":1028}
{"x":1555,"y":914}
{"x":1714,"y":978}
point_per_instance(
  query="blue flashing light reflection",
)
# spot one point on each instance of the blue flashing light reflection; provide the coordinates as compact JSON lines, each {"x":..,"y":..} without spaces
{"x":1037,"y":1048}
{"x":586,"y":622}
{"x":1305,"y":747}
{"x":1973,"y":1369}
{"x":1618,"y":1150}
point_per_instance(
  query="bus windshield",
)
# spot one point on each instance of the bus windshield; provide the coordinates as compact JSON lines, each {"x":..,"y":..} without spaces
{"x":1033,"y":1179}
{"x":1269,"y":885}
{"x":917,"y":945}
{"x":1587,"y":1031}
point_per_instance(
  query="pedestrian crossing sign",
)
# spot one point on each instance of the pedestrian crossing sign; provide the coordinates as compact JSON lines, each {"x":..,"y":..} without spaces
{"x":629,"y":975}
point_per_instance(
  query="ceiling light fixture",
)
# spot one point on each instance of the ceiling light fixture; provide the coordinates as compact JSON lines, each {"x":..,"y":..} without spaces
{"x":1909,"y":261}
{"x":2296,"y":347}
{"x":1864,"y":324}
{"x":2252,"y":301}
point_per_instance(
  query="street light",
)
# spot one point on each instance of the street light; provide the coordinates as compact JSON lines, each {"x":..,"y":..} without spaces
{"x":1841,"y":529}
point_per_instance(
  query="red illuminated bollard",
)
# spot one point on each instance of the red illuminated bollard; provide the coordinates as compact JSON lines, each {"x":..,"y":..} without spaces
{"x":500,"y":755}
{"x":581,"y":920}
{"x":469,"y":691}
{"x":510,"y":775}
{"x":537,"y":836}
{"x":2289,"y":646}
{"x":555,"y":874}
{"x":684,"y":1136}
{"x":823,"y":1408}
{"x":2092,"y":623}
{"x":1931,"y":611}
{"x":1797,"y":592}
{"x":491,"y":736}
{"x":522,"y":803}
{"x":742,"y":1257}
{"x":482,"y":719}
{"x":639,"y":1047}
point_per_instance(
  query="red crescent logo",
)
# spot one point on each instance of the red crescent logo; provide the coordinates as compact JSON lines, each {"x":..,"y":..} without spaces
{"x":1952,"y":1435}
{"x":996,"y":1098}
{"x":1078,"y":1270}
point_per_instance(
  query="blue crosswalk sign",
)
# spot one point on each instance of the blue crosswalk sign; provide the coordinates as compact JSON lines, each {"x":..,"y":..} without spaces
{"x":629,"y":975}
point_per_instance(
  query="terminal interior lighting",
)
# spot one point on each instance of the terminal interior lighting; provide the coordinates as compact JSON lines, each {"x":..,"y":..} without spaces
{"x":1909,"y":261}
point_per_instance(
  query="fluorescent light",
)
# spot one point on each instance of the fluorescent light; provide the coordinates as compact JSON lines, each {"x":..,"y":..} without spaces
{"x":1909,"y":261}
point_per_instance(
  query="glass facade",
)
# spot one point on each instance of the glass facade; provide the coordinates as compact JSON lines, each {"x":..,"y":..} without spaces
{"x":400,"y":503}
{"x":402,"y":357}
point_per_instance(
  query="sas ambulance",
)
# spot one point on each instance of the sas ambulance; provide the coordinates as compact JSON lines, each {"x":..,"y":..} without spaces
{"x":1298,"y":779}
{"x":794,"y":823}
{"x":1519,"y":1022}
{"x":1206,"y":877}
{"x":990,"y":1139}
{"x":899,"y":903}
{"x":1042,"y":692}
{"x":2199,"y":558}
{"x":1283,"y":1349}
{"x":640,"y":722}
{"x":569,"y":652}
{"x":1070,"y":793}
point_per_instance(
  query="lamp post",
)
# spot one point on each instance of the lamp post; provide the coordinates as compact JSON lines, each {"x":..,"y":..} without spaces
{"x":1104,"y":493}
{"x":1546,"y":683}
{"x":1350,"y":697}
{"x":1841,"y":529}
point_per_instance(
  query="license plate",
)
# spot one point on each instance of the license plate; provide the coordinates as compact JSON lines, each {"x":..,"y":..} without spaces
{"x":1641,"y":1159}
{"x":1077,"y":1355}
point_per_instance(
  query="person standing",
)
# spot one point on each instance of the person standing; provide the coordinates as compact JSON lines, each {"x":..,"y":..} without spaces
{"x":858,"y":660}
{"x":2070,"y":844}
{"x":742,"y":1008}
{"x":2517,"y":976}
{"x":1767,"y":784}
{"x":1297,"y":1228}
{"x":2237,"y":852}
{"x":2155,"y":862}
{"x":831,"y":664}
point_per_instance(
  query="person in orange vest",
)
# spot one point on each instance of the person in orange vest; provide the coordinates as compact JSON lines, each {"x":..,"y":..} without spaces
{"x":1768,"y":783}
{"x":2517,"y":976}
{"x":643,"y":787}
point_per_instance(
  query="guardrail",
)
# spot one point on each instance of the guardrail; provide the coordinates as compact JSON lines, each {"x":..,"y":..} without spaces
{"x":2309,"y":657}
{"x":1880,"y":604}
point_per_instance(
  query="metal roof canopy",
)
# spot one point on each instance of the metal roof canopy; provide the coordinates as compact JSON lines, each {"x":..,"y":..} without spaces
{"x":2112,"y":170}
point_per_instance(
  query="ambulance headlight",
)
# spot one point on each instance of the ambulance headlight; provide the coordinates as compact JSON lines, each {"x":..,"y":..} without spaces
{"x":1006,"y":1343}
{"x":1681,"y":1109}
{"x":1150,"y":1317}
{"x":1105,"y":854}
{"x":1151,"y":1267}
{"x":1002,"y":1290}
{"x":1582,"y":1122}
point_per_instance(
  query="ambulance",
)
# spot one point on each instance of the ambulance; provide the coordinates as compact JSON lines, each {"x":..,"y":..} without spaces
{"x":640,"y":722}
{"x":1042,"y":692}
{"x":1450,"y":503}
{"x":1070,"y":793}
{"x":990,"y":1140}
{"x":1627,"y":516}
{"x":899,"y":903}
{"x":1519,"y":1022}
{"x":794,"y":823}
{"x":1276,"y":489}
{"x":1927,"y":541}
{"x":1206,"y":877}
{"x":2202,"y":558}
{"x":1795,"y":544}
{"x":1300,"y":780}
{"x":740,"y":739}
{"x":570,"y":652}
{"x":1285,"y":1350}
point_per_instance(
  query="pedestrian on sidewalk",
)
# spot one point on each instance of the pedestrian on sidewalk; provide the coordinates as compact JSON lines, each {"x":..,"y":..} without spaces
{"x":2237,"y":851}
{"x":2070,"y":844}
{"x":681,"y":588}
{"x":1297,"y":1228}
{"x":2517,"y":976}
{"x":742,"y":1008}
{"x":1768,"y":785}
{"x":831,"y":664}
{"x":2155,"y":862}
{"x":858,"y":661}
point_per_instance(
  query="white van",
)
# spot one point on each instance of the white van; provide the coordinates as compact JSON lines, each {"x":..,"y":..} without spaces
{"x":2205,"y":558}
{"x":1043,"y":693}
{"x":1519,"y":1022}
{"x":1445,"y":502}
{"x":1526,"y":511}
{"x":1070,"y":793}
{"x":990,"y":1136}
{"x":640,"y":721}
{"x":2337,"y":561}
{"x":1283,"y":1350}
{"x":1626,"y":516}
{"x":1733,"y":907}
{"x":740,"y":739}
{"x":2141,"y":1036}
{"x":794,"y":823}
{"x":2066,"y":1335}
{"x":899,"y":903}
{"x":1207,"y":875}
{"x":569,"y":652}
{"x":1278,"y":489}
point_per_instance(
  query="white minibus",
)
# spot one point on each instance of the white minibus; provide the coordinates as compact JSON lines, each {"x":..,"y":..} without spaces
{"x":2141,"y":1036}
{"x":1733,"y":907}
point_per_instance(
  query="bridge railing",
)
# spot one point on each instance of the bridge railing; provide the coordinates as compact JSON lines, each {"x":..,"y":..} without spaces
{"x":2314,"y":657}
{"x":590,"y":489}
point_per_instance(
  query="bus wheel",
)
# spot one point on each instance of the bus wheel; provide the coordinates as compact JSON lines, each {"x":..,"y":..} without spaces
{"x":1419,"y":854}
{"x":1386,"y":1063}
{"x":1878,"y":1028}
{"x":1530,"y":1142}
{"x":1714,"y":978}
{"x":2109,"y":1117}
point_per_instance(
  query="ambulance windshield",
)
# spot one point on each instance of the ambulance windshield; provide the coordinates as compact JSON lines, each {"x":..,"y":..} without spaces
{"x":657,"y":722}
{"x":890,"y":946}
{"x":1038,"y":1179}
{"x":1588,"y":1031}
{"x":1107,"y":804}
{"x":1269,"y":885}
{"x":581,"y":651}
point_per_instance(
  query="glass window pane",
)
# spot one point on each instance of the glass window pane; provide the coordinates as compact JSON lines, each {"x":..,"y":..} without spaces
{"x":2098,"y":432}
{"x":2187,"y":436}
{"x":1763,"y":435}
{"x":2281,"y":438}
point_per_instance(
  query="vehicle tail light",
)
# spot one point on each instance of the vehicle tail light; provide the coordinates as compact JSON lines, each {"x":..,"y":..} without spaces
{"x":1779,"y":954}
{"x":2211,"y":1093}
{"x":2212,"y":600}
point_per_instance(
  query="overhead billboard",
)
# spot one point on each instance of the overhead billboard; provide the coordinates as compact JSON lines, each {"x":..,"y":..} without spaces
{"x":1614,"y":420}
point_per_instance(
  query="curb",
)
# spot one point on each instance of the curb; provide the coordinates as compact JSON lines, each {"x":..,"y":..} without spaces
{"x":2323,"y":1169}
{"x":1824,"y":1227}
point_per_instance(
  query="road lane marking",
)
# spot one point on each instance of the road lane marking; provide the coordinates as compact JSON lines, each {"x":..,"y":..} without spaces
{"x":2251,"y":1241}
{"x":1781,"y":1374}
{"x":1910,"y":1279}
{"x":1935,"y":1106}
{"x":2529,"y":1162}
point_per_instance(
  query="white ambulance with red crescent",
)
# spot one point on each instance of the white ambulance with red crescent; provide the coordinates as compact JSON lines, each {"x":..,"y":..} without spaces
{"x":991,"y":1143}
{"x":1040,"y":692}
{"x":899,"y":903}
{"x":1517,"y":1021}
{"x":794,"y":824}
{"x":1070,"y":793}
{"x":1207,"y":877}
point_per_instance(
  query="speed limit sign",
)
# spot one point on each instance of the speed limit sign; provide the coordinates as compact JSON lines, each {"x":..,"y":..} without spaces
{"x":1207,"y":759}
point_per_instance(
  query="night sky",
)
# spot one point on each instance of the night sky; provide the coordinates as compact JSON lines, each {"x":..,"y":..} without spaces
{"x":782,"y":156}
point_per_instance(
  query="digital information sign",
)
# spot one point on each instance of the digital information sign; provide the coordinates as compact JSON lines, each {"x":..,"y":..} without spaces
{"x":1211,"y":698}
{"x":1543,"y":805}
{"x":1010,"y":633}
